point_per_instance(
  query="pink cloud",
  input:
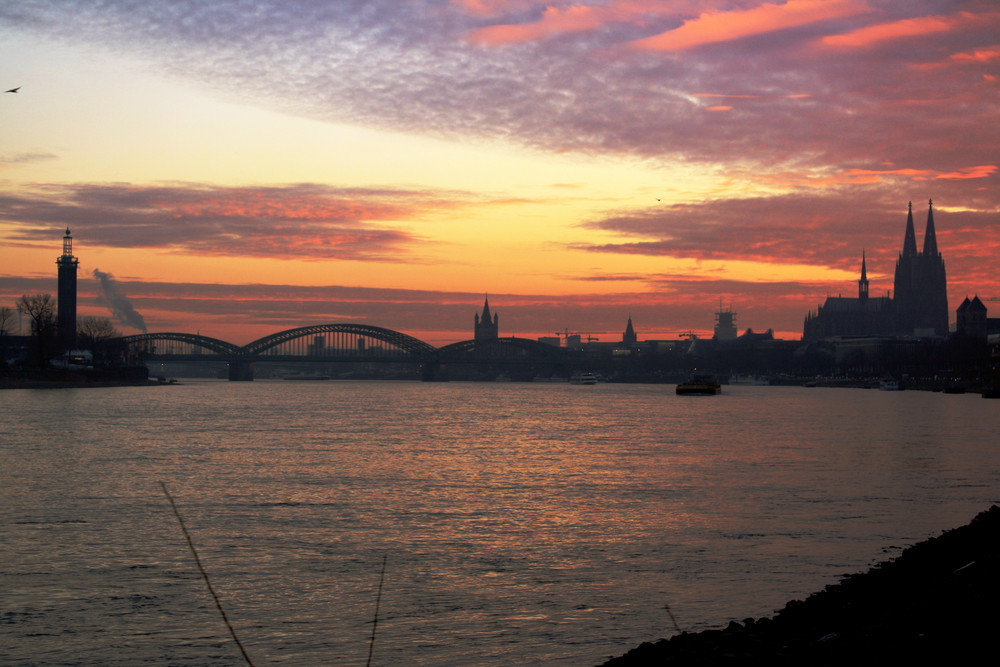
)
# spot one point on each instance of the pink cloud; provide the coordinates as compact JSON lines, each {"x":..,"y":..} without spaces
{"x":553,"y":21}
{"x":890,"y":31}
{"x":716,"y":26}
{"x":978,"y":56}
{"x":565,"y":18}
{"x":303,"y":221}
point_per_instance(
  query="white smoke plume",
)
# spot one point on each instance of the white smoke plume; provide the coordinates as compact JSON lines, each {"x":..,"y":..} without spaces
{"x":116,"y":301}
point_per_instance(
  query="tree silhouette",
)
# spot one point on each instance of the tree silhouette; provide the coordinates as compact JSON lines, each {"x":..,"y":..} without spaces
{"x":96,"y":334}
{"x":41,"y":311}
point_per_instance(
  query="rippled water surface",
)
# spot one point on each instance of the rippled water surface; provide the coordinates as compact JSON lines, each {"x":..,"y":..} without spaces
{"x":521,"y":523}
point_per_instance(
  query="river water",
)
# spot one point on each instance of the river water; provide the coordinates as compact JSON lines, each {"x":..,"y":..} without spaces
{"x":520,"y":523}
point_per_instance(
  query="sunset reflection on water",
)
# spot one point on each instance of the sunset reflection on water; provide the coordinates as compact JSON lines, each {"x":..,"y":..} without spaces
{"x":521,"y":522}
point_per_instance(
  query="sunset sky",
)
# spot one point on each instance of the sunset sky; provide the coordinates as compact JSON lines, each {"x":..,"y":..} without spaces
{"x":243,"y":167}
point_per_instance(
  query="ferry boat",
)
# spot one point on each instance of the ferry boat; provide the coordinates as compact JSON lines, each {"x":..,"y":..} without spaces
{"x":699,"y":384}
{"x":583,"y":378}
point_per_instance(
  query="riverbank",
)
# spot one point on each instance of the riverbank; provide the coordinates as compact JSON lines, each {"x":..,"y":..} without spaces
{"x":62,"y":379}
{"x":935,"y":602}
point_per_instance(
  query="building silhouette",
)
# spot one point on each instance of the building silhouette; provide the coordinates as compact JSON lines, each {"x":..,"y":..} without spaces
{"x":485,"y":327}
{"x":971,"y":319}
{"x":66,"y":305}
{"x":920,"y":287}
{"x":918,"y":306}
{"x":629,"y":338}
{"x":725,"y":324}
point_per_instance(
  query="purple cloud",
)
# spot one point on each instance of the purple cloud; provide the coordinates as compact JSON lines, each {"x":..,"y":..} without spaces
{"x":857,"y":85}
{"x":296,"y":221}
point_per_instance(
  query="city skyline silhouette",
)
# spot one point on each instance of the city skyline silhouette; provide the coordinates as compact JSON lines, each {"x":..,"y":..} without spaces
{"x":583,"y":164}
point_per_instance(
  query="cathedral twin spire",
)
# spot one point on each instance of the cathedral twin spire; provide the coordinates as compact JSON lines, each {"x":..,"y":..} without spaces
{"x":930,"y":237}
{"x":920,"y":286}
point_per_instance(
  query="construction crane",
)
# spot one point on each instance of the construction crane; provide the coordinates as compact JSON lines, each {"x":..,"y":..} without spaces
{"x":589,"y":338}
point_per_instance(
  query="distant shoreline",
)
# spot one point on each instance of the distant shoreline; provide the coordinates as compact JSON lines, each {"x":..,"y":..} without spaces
{"x":62,"y":379}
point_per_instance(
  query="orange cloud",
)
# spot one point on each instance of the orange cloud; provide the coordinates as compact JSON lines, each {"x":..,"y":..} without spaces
{"x":554,"y":21}
{"x":559,"y":20}
{"x":874,"y":176}
{"x":716,"y":26}
{"x":982,"y":171}
{"x":888,"y":31}
{"x":721,"y":107}
{"x":978,"y":56}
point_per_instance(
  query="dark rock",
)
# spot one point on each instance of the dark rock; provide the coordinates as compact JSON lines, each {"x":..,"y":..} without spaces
{"x":935,"y":602}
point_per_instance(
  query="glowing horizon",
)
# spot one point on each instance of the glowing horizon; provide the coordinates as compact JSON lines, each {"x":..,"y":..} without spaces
{"x":579,"y":162}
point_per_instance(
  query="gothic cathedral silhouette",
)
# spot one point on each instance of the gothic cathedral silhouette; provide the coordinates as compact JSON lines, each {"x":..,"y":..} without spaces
{"x":917,"y":308}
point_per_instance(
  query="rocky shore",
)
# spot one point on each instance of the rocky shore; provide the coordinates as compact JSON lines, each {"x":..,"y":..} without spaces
{"x":934,"y":604}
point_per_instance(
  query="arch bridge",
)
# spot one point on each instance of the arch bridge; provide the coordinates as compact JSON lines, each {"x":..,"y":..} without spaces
{"x":339,"y":343}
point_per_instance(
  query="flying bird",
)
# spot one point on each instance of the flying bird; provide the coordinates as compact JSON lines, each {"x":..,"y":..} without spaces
{"x":13,"y":90}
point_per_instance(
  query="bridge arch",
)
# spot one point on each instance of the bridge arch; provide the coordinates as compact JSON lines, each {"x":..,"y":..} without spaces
{"x":339,"y":338}
{"x":148,"y":342}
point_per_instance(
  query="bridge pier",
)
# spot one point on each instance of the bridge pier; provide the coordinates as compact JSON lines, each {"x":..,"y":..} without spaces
{"x":433,"y":371}
{"x":240,"y":371}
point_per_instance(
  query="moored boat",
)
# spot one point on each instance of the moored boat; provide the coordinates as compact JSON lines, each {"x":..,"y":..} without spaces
{"x":699,"y":384}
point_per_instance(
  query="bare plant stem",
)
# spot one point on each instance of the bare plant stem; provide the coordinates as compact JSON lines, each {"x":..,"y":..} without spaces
{"x":676,"y":627}
{"x":378,"y":599}
{"x":204,"y":575}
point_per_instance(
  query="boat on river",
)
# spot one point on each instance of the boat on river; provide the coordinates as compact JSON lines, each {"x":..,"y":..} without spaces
{"x":699,"y":384}
{"x":583,"y":378}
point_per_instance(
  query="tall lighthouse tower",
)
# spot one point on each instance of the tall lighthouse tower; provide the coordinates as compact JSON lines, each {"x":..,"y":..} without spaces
{"x":66,"y":312}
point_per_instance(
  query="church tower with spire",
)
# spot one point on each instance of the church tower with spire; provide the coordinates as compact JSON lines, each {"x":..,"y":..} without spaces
{"x":921,"y":286}
{"x":629,"y":338}
{"x":933,"y":286}
{"x":863,"y":281}
{"x":905,"y":279}
{"x":485,"y":327}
